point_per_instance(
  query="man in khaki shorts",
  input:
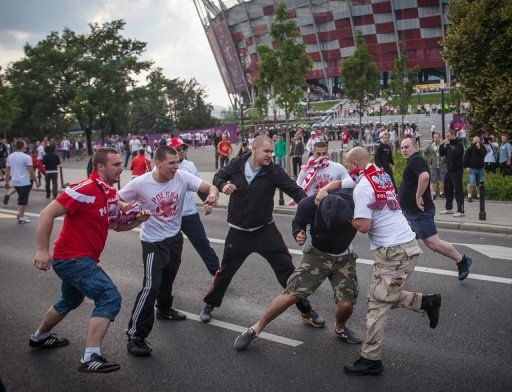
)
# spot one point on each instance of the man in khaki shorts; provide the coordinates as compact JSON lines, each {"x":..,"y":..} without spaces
{"x":396,"y":252}
{"x":330,"y":256}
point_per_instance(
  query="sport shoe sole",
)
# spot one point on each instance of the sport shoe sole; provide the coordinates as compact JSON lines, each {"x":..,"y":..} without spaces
{"x":307,"y":320}
{"x":369,"y":372}
{"x":51,"y":342}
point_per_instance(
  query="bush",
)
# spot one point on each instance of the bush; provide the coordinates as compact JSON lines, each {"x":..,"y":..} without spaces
{"x":497,"y":188}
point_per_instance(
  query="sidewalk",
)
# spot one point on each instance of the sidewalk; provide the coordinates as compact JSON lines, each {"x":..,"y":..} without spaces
{"x":499,"y":214}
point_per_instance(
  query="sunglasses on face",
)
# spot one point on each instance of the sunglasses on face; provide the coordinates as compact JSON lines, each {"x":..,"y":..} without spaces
{"x":181,"y":149}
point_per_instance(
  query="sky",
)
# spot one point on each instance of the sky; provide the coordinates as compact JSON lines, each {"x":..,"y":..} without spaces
{"x":171,"y":28}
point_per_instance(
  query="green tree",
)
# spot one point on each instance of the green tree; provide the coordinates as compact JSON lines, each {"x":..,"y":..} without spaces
{"x":402,"y":82}
{"x":360,"y":78}
{"x":477,"y":49}
{"x":283,"y":68}
{"x":9,"y":108}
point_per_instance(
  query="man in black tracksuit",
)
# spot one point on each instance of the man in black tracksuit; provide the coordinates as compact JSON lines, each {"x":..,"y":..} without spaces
{"x":384,"y":156}
{"x":453,"y":150}
{"x":51,"y":162}
{"x":251,"y":181}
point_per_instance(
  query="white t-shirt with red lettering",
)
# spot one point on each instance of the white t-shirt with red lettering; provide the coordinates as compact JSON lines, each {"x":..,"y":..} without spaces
{"x":86,"y":223}
{"x":163,"y":199}
{"x":335,"y":171}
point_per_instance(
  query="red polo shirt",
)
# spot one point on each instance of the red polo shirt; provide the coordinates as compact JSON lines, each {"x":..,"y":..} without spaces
{"x":86,"y":223}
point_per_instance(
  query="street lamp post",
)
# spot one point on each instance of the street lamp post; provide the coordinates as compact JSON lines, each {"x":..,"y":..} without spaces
{"x":307,"y":105}
{"x":380,"y":108}
{"x":458,"y":97}
{"x":242,"y":114}
{"x":443,"y":131}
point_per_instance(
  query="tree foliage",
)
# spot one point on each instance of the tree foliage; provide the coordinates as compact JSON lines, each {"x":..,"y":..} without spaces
{"x":283,"y":68}
{"x":9,"y":108}
{"x":477,"y":49}
{"x":360,"y":78}
{"x":402,"y":83}
{"x":90,"y":79}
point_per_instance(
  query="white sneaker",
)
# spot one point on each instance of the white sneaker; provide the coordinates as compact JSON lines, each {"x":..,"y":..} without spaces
{"x":446,"y":212}
{"x":458,"y":214}
{"x":22,"y":221}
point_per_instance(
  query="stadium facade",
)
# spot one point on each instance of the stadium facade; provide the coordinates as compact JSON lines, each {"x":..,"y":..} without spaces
{"x":236,"y":27}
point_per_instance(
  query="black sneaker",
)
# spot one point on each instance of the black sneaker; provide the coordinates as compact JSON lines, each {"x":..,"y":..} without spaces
{"x":206,"y":314}
{"x":138,"y":347}
{"x":170,"y":314}
{"x":313,"y":318}
{"x":364,"y":367}
{"x":244,"y":340}
{"x":51,"y":341}
{"x":469,"y":200}
{"x":98,"y":364}
{"x":431,"y":303}
{"x":463,"y":267}
{"x":442,"y":196}
{"x":347,"y":335}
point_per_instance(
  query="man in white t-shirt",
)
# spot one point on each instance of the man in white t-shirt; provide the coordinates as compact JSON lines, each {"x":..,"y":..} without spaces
{"x":311,"y":142}
{"x":162,"y":192}
{"x":191,"y":223}
{"x":319,"y":170}
{"x":19,"y":173}
{"x":396,"y":252}
{"x":65,"y":146}
{"x":40,"y":150}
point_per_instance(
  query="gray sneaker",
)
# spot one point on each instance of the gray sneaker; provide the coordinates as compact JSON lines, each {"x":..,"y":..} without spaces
{"x":206,"y":314}
{"x":446,"y":212}
{"x":458,"y":215}
{"x":244,"y":340}
{"x":347,"y":335}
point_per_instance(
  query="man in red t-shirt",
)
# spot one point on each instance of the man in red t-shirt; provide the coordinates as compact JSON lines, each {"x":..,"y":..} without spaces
{"x":140,"y":164}
{"x":224,"y":149}
{"x":90,"y":208}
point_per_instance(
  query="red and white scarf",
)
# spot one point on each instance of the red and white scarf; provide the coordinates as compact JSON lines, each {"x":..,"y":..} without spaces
{"x":385,"y":194}
{"x":113,"y":208}
{"x":311,"y":169}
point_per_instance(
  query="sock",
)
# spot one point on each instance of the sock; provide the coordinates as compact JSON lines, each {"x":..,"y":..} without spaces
{"x":88,"y":352}
{"x":40,"y":336}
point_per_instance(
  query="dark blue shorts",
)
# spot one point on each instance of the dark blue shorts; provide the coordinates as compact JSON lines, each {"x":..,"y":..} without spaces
{"x":82,"y":277}
{"x":422,"y":223}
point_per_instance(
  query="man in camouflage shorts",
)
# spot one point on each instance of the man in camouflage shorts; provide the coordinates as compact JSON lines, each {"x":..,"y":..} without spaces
{"x":330,"y":256}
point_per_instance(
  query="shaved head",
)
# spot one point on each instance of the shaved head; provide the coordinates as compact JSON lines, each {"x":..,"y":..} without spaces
{"x":357,"y":158}
{"x":260,"y":140}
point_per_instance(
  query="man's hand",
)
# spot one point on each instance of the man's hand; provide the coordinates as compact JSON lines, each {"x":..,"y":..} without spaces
{"x":7,"y":184}
{"x":320,"y":196}
{"x":207,"y":208}
{"x":213,"y":196}
{"x":143,"y":216}
{"x":42,"y":260}
{"x":229,"y":188}
{"x":419,"y":203}
{"x":300,"y":238}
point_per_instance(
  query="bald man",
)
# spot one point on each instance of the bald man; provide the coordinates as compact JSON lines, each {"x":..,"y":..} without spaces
{"x":251,"y":182}
{"x":396,"y":252}
{"x":418,"y":207}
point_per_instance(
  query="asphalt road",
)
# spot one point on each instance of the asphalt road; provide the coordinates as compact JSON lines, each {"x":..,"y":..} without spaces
{"x":469,"y":351}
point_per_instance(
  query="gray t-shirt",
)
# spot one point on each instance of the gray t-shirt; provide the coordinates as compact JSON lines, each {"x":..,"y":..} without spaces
{"x":249,"y":172}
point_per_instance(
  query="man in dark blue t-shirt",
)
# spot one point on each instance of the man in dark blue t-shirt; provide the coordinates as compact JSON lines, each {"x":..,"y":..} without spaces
{"x":418,"y":207}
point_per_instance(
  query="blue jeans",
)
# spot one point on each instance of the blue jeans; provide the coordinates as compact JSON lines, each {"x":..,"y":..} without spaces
{"x":193,"y":228}
{"x":82,"y":277}
{"x":476,"y":176}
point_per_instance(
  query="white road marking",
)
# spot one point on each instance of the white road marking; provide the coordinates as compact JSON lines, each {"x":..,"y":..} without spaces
{"x":436,"y":271}
{"x":238,"y":328}
{"x":492,"y":251}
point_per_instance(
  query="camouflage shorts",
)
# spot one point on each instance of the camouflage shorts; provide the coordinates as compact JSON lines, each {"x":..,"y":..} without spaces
{"x":316,"y":266}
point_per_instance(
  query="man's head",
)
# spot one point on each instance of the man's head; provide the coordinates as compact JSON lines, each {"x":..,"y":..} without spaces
{"x":141,"y":151}
{"x":504,"y":137}
{"x":476,"y":140}
{"x":108,"y":164}
{"x":452,"y":135}
{"x":224,"y":136}
{"x":320,"y":149}
{"x":20,"y":145}
{"x":180,"y":146}
{"x":385,"y":138}
{"x":408,"y":147}
{"x":357,"y":158}
{"x":437,"y":138}
{"x":166,"y":162}
{"x":262,"y":150}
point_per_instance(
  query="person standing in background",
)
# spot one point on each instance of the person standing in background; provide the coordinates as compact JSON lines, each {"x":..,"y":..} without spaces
{"x":51,"y":162}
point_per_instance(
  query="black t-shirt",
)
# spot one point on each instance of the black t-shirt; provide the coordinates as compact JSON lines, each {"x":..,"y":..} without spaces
{"x":407,"y":193}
